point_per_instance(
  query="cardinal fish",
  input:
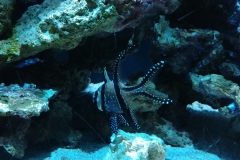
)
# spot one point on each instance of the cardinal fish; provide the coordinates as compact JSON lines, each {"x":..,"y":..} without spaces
{"x":115,"y":98}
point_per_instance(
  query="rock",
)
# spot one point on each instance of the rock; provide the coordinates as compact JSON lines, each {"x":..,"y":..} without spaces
{"x":57,"y":24}
{"x":15,"y":143}
{"x":185,"y":46}
{"x":59,"y":121}
{"x":200,"y":108}
{"x":133,"y":12}
{"x":236,"y":124}
{"x":63,"y":24}
{"x":137,"y":146}
{"x":215,"y":85}
{"x":6,"y":8}
{"x":171,"y":135}
{"x":231,"y":110}
{"x":25,"y":102}
{"x":230,"y":69}
{"x":228,"y":112}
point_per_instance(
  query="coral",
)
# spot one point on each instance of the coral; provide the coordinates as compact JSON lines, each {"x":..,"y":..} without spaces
{"x":25,"y":102}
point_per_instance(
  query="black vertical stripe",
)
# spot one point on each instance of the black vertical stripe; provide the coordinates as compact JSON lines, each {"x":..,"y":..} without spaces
{"x":121,"y":102}
{"x":95,"y":98}
{"x":103,"y":97}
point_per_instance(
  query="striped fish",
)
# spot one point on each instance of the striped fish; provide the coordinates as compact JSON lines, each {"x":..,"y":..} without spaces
{"x":116,"y":99}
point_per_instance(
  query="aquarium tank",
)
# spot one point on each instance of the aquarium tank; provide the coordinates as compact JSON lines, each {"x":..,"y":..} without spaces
{"x":119,"y":80}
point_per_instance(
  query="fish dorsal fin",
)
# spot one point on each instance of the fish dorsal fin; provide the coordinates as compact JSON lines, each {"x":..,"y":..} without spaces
{"x":106,"y":78}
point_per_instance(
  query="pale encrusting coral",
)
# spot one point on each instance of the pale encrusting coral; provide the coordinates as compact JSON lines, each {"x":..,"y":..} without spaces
{"x":25,"y":102}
